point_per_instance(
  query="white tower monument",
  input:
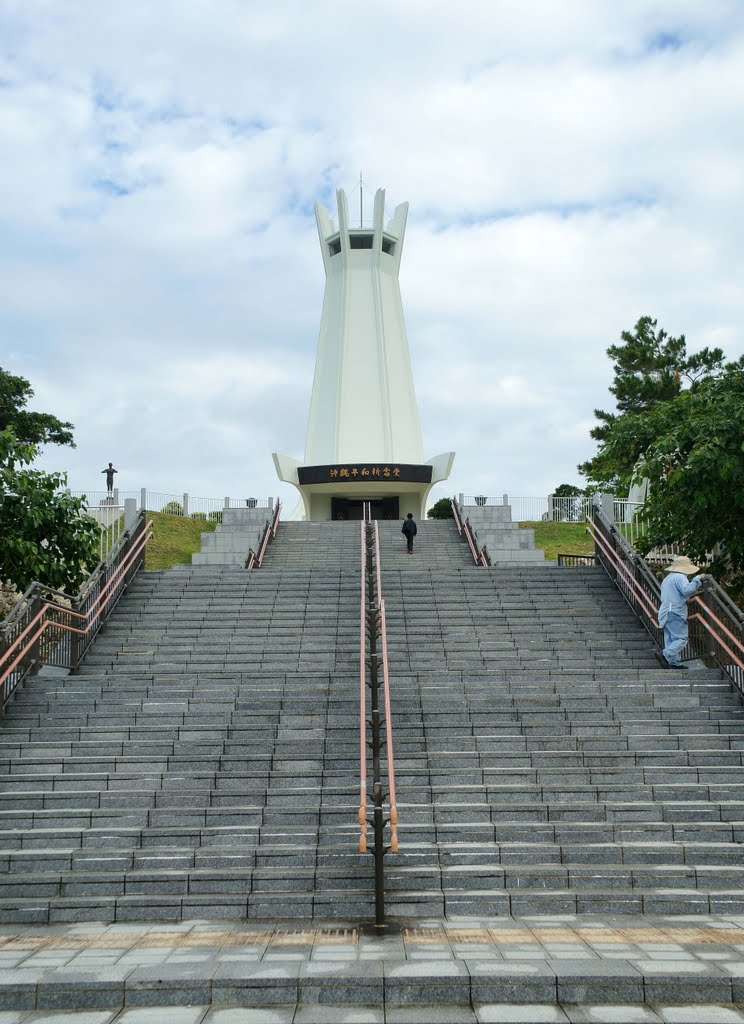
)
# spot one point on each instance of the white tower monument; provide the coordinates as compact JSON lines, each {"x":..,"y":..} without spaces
{"x":363,"y":437}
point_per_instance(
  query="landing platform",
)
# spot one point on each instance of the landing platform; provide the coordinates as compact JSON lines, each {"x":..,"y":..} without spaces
{"x":460,"y":969}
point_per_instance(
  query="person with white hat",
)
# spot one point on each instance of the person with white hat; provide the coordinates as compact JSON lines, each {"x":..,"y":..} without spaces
{"x":676,"y":591}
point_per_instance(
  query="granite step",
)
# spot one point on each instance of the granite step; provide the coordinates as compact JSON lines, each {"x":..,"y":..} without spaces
{"x":204,"y":758}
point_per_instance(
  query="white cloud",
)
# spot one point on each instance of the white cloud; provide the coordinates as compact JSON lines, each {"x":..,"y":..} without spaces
{"x":570,"y":167}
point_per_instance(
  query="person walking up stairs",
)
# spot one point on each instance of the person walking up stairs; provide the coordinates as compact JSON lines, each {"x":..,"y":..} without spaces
{"x":409,"y":530}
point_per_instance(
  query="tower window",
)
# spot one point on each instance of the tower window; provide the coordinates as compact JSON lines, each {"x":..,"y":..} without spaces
{"x":388,"y":246}
{"x":334,"y":247}
{"x":360,"y":241}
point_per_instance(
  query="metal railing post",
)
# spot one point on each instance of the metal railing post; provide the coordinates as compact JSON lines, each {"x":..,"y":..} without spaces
{"x":637,"y":583}
{"x":75,"y":658}
{"x":709,"y":655}
{"x":130,"y":513}
{"x":379,"y":856}
{"x":612,"y":538}
{"x":34,"y":662}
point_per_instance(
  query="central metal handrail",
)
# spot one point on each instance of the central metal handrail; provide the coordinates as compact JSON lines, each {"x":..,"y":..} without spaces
{"x":375,"y":727}
{"x":716,"y":624}
{"x":480,"y":556}
{"x":363,"y":697}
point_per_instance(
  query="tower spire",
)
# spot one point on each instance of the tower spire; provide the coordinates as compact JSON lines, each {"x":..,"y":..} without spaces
{"x":363,"y":435}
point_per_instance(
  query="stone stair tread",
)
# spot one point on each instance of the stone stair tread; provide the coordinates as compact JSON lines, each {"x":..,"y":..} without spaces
{"x":206,"y":752}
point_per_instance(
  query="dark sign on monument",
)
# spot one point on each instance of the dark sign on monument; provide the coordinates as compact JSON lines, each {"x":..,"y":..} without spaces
{"x":365,"y":473}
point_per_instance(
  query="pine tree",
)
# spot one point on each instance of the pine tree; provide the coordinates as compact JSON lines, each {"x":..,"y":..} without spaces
{"x":650,"y":368}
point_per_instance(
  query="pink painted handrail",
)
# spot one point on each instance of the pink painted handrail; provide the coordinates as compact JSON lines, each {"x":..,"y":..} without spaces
{"x":723,"y":643}
{"x":464,"y":527}
{"x":43,"y":619}
{"x":627,"y":578}
{"x":389,"y":733}
{"x":378,"y":572}
{"x":254,"y":561}
{"x":386,"y":700}
{"x":709,"y":611}
{"x":706,"y":625}
{"x":738,"y":655}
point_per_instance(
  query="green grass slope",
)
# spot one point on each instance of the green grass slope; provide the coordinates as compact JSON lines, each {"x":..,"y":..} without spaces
{"x":561,"y":538}
{"x":175,"y":539}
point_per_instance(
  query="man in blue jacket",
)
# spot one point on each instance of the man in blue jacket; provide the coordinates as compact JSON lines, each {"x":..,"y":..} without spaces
{"x":676,"y":591}
{"x":409,"y":530}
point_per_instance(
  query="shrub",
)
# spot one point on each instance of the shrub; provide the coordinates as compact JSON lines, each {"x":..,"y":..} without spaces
{"x":45,"y":534}
{"x":9,"y":597}
{"x":441,"y":509}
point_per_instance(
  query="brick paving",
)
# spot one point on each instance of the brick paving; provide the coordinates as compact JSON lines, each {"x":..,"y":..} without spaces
{"x":665,"y":962}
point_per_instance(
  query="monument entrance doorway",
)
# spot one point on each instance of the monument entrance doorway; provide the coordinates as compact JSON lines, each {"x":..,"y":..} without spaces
{"x":351,"y":508}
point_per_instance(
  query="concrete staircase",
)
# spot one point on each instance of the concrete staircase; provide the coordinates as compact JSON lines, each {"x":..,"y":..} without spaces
{"x":545,"y":764}
{"x":507,"y":543}
{"x":240,"y":530}
{"x":206,"y":755}
{"x":203,"y":762}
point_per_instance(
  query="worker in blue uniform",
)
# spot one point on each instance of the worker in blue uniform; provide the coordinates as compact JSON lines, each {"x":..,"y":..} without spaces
{"x":676,"y":591}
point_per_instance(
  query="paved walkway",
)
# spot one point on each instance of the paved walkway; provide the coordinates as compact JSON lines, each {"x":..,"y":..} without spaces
{"x":670,"y":969}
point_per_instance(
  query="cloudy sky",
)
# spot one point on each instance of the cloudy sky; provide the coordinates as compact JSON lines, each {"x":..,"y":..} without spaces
{"x":570,"y":166}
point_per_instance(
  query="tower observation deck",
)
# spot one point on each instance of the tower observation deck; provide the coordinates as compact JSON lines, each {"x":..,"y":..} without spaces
{"x":363,"y":436}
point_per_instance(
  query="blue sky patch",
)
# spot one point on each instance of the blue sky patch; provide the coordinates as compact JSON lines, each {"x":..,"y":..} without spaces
{"x":109,"y":187}
{"x":666,"y":41}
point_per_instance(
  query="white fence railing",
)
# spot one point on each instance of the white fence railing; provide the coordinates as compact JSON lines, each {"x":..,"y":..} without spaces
{"x":110,"y":512}
{"x":111,"y":520}
{"x":174,"y":504}
{"x":556,"y":509}
{"x":627,"y":514}
{"x":535,"y":510}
